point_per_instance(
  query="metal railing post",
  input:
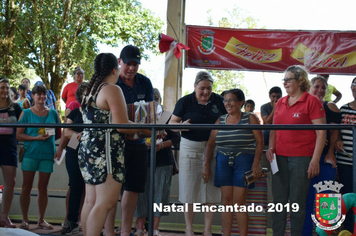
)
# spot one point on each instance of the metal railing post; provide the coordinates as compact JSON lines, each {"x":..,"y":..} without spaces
{"x":354,"y":158}
{"x":152,"y":181}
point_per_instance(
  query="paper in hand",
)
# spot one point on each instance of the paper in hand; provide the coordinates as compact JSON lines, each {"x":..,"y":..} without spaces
{"x":50,"y":131}
{"x":164,"y":117}
{"x":62,"y":157}
{"x":73,"y":142}
{"x":274,"y":166}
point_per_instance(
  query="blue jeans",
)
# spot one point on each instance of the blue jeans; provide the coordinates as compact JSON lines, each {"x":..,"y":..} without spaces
{"x":290,"y":183}
{"x":326,"y":173}
{"x":346,"y":176}
{"x":76,"y":184}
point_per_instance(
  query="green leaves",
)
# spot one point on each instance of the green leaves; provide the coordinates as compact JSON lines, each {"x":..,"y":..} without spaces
{"x":236,"y":18}
{"x":54,"y":36}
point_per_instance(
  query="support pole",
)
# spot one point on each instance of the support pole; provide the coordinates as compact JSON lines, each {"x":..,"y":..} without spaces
{"x":354,"y":158}
{"x":152,"y":181}
{"x":175,"y":29}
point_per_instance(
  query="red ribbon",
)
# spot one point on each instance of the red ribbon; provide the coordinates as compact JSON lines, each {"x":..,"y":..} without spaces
{"x":165,"y":45}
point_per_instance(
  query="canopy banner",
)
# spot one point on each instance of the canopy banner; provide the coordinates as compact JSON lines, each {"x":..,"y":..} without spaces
{"x":322,"y":52}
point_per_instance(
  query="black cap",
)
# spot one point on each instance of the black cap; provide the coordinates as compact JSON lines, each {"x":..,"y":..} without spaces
{"x":130,"y":53}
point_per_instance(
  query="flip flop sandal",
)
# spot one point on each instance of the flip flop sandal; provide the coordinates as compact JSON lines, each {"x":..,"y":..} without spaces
{"x":44,"y":225}
{"x":25,"y":225}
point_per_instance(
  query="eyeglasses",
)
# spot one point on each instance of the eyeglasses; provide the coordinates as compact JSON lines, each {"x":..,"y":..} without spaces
{"x":79,"y":73}
{"x":230,"y":100}
{"x":353,"y":84}
{"x":286,"y":80}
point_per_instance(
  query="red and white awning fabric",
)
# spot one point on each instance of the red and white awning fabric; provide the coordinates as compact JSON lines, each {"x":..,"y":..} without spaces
{"x":321,"y":52}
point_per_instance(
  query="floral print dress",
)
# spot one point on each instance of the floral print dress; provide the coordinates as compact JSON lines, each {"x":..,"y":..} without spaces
{"x":92,"y":156}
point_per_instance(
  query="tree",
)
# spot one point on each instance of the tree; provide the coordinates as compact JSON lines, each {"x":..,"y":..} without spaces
{"x":54,"y":36}
{"x":224,"y":79}
{"x":9,"y":14}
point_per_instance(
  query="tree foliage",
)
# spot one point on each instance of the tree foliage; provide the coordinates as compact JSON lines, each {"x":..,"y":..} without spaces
{"x":54,"y":36}
{"x":227,"y":79}
{"x":9,"y":13}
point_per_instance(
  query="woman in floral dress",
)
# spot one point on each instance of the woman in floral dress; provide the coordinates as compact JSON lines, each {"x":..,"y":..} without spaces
{"x":102,"y":165}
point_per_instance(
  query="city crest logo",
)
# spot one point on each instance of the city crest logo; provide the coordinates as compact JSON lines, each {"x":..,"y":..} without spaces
{"x":206,"y":46}
{"x":328,"y":206}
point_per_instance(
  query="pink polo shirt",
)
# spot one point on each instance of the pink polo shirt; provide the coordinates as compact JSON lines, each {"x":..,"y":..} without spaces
{"x":297,"y":142}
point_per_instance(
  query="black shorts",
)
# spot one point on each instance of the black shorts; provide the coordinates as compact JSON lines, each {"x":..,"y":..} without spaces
{"x":136,"y":156}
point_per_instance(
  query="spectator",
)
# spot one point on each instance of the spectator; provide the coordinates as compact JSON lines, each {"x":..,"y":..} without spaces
{"x":9,"y":113}
{"x":162,"y":185}
{"x":267,"y":110}
{"x":51,"y":99}
{"x":68,"y":94}
{"x":297,"y":151}
{"x":327,"y":160}
{"x":40,"y":149}
{"x":22,"y":100}
{"x":331,"y":91}
{"x":76,"y":182}
{"x":74,"y":197}
{"x":236,"y":154}
{"x":64,"y":141}
{"x":249,"y":105}
{"x":158,"y":99}
{"x":14,"y":96}
{"x":27,"y":82}
{"x":200,"y":107}
{"x":103,"y":172}
{"x":135,"y":87}
{"x":344,"y":147}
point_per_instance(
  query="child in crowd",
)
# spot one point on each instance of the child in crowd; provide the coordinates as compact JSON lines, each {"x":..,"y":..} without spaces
{"x":249,"y":105}
{"x":13,"y":94}
{"x":23,"y":101}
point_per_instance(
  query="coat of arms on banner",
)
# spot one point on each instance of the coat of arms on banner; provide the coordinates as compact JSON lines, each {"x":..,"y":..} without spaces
{"x":328,"y":205}
{"x":206,"y":46}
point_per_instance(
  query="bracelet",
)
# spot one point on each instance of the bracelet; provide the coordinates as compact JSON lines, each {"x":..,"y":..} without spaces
{"x":164,"y":145}
{"x":271,"y":148}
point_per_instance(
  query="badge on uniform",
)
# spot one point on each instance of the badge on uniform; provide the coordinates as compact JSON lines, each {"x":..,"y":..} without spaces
{"x":215,"y":109}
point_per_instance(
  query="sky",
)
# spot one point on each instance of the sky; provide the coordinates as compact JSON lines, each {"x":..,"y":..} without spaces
{"x":272,"y":14}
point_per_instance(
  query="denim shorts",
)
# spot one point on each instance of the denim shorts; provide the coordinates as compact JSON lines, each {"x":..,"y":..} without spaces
{"x":41,"y":165}
{"x":226,"y":175}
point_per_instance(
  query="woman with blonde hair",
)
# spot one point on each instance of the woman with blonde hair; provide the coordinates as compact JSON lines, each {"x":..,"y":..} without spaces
{"x":200,"y":107}
{"x":297,"y":151}
{"x":327,"y":160}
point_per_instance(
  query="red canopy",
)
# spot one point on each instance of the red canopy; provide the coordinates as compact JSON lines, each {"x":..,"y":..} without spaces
{"x":328,"y":52}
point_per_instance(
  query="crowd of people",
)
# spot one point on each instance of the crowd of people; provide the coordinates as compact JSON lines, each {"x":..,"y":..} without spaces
{"x":112,"y":164}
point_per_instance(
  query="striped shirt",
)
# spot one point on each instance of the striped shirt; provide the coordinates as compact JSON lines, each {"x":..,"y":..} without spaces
{"x":348,"y":116}
{"x":234,"y":140}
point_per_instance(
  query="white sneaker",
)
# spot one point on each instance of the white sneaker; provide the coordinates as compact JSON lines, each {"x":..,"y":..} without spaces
{"x":156,"y":232}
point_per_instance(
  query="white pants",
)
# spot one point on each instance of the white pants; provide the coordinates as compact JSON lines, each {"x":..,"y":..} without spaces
{"x":192,"y":188}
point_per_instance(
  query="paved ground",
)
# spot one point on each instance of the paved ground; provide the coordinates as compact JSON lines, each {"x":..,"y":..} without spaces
{"x":57,"y":231}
